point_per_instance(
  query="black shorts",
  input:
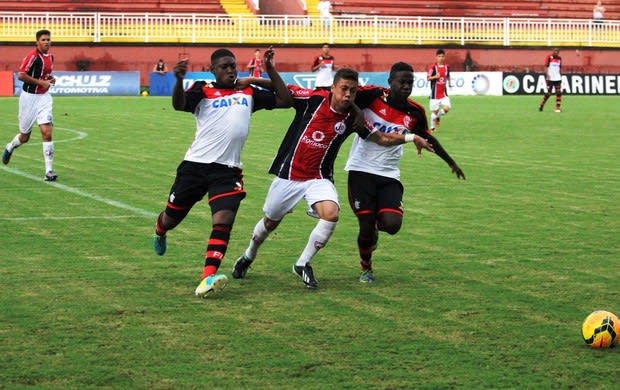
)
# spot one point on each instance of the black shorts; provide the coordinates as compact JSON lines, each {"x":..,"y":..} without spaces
{"x":223,"y":184}
{"x":554,"y":86}
{"x":374,"y":194}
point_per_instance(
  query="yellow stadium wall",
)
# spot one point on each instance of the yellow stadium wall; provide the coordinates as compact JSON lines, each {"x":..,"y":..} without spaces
{"x":298,"y":59}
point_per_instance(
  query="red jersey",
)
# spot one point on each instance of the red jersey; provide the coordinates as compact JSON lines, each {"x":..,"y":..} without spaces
{"x":439,"y":88}
{"x":255,"y":67}
{"x":39,"y":66}
{"x":312,"y":141}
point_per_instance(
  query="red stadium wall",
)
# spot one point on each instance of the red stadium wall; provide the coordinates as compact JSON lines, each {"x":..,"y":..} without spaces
{"x":291,"y":59}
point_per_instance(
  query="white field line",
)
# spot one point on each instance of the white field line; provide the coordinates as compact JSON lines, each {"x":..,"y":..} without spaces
{"x":110,"y":202}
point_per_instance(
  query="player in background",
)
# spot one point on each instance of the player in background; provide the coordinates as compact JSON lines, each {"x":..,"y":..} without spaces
{"x":439,"y":76}
{"x":374,"y":187}
{"x":212,"y":163}
{"x":324,"y":66}
{"x":35,"y":102}
{"x":304,"y":165}
{"x":553,"y":76}
{"x":255,"y":66}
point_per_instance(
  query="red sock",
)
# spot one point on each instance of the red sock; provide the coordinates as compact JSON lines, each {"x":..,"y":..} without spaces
{"x":208,"y":271}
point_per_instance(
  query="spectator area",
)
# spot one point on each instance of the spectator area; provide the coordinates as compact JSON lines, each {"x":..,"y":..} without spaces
{"x":570,"y":9}
{"x":161,"y":6}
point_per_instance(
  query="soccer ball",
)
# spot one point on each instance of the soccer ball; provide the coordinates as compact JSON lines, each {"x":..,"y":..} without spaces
{"x":600,"y":329}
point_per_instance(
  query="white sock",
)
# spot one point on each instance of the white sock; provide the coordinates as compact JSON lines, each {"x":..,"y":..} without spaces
{"x":258,"y":237}
{"x":48,"y":155}
{"x":433,"y":120}
{"x":317,"y":240}
{"x":15,"y":142}
{"x":441,"y":113}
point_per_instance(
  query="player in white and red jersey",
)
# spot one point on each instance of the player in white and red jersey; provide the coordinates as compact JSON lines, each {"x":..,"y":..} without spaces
{"x":324,"y":65}
{"x":374,"y":187}
{"x":553,"y":76}
{"x":304,"y":165}
{"x":255,"y":66}
{"x":35,"y":102}
{"x":212,"y":164}
{"x":439,"y":76}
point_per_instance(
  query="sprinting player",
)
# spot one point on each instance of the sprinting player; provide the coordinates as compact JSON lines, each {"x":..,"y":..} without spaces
{"x":553,"y":76}
{"x":255,"y":66}
{"x":439,"y":76}
{"x":35,"y":102}
{"x":324,"y":65}
{"x":212,"y":163}
{"x":375,"y":190}
{"x":305,"y":162}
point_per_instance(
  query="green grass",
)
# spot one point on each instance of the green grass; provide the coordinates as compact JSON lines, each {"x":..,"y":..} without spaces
{"x":485,"y":287}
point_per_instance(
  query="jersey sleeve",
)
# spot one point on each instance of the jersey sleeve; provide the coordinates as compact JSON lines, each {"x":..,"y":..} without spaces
{"x":547,"y":60}
{"x":367,"y":94}
{"x":193,"y":95}
{"x":317,"y":60}
{"x":430,"y":72}
{"x":27,"y":63}
{"x":264,"y":99}
{"x":300,"y":96}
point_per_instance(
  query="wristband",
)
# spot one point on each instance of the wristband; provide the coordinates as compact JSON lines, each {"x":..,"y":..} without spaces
{"x":409,"y":137}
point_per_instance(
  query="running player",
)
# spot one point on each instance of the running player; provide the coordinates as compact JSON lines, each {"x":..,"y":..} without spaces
{"x":305,"y":161}
{"x":439,"y":76}
{"x":35,"y":102}
{"x":374,"y":187}
{"x":212,"y":163}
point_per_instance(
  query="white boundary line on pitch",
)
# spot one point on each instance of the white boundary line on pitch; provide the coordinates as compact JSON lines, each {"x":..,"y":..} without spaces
{"x":79,"y":135}
{"x":98,"y":198}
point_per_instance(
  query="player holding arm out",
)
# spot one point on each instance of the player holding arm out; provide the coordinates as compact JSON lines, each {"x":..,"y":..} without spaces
{"x":211,"y":168}
{"x":374,"y":187}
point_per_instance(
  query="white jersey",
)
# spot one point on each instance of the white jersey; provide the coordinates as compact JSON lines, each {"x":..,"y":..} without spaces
{"x":554,"y":66}
{"x":369,"y":157}
{"x":223,"y":121}
{"x":324,"y":76}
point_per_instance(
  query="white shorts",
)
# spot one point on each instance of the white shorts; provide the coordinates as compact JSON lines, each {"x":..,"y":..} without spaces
{"x":284,"y":195}
{"x":34,"y":107}
{"x":436,"y":104}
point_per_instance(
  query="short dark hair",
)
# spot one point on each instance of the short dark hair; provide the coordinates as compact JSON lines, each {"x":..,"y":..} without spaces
{"x":219,"y":53}
{"x":346,"y":74}
{"x":440,"y":51}
{"x":43,"y":32}
{"x":400,"y":67}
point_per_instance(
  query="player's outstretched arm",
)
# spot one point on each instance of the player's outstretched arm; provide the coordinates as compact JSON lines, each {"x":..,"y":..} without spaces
{"x":457,"y":171}
{"x":283,"y":96}
{"x":391,"y":139}
{"x":178,"y":93}
{"x":441,"y":152}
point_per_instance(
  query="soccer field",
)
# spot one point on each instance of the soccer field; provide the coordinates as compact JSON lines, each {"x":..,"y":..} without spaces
{"x":485,"y":286}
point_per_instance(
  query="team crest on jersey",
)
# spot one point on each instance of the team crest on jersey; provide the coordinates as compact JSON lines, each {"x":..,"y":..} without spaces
{"x":407,"y":121}
{"x":340,"y":127}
